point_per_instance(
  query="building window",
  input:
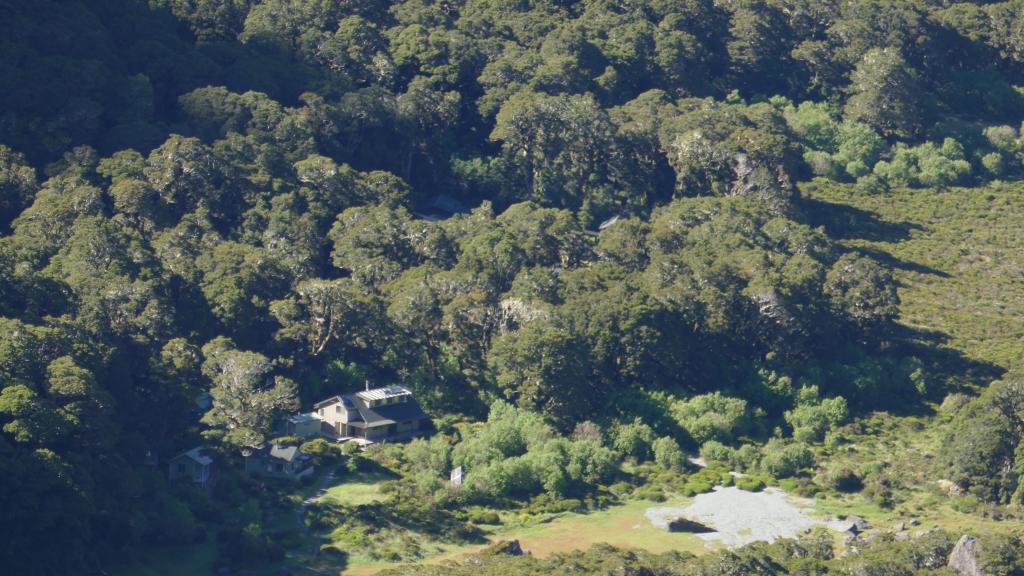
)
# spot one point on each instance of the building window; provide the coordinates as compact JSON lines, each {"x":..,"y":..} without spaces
{"x":181,"y":467}
{"x":337,"y":408}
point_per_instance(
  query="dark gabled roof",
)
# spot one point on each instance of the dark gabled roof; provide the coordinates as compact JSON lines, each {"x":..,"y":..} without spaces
{"x":408,"y":411}
{"x":346,"y":401}
{"x":278,"y":452}
{"x":286,"y":453}
{"x":327,"y":402}
{"x":199,"y":454}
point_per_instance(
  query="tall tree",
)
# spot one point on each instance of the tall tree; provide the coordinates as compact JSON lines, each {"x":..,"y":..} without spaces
{"x":885,"y":94}
{"x":246,"y":397}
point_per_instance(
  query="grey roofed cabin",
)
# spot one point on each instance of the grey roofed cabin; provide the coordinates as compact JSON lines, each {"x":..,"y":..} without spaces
{"x":195,"y":465}
{"x":279,"y":462}
{"x":388,"y":413}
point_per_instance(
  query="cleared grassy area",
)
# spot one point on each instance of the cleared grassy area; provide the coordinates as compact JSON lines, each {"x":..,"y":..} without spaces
{"x":355,"y":489}
{"x":623,"y":526}
{"x":958,"y":255}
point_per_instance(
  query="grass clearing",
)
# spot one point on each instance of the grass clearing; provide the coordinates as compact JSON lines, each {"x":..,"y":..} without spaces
{"x":356,"y":488}
{"x":623,"y":526}
{"x":958,"y":256}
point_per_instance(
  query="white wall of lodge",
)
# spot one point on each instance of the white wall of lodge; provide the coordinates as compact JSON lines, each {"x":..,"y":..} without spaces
{"x":340,"y":421}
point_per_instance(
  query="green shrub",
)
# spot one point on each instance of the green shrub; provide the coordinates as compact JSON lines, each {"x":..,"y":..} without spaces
{"x":650,"y":492}
{"x":358,"y":462}
{"x":621,"y":489}
{"x":668,"y":454}
{"x":697,"y":486}
{"x":843,"y":479}
{"x":925,"y":165}
{"x":484,"y":517}
{"x":715,"y":452}
{"x":633,"y":440}
{"x":750,"y":483}
{"x":994,"y":164}
{"x":782,"y":460}
{"x":712,"y":417}
{"x":322,"y":451}
{"x":287,"y":440}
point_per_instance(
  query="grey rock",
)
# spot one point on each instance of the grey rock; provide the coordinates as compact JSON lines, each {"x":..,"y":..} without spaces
{"x":859,"y":523}
{"x":965,"y":558}
{"x":508,"y":548}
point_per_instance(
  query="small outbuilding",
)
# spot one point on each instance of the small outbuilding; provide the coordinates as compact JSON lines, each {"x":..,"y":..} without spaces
{"x":195,"y":466}
{"x":302,"y":425}
{"x":287,"y":462}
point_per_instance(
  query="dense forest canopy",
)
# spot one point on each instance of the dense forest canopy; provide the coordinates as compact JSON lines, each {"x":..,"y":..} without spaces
{"x":228,"y":196}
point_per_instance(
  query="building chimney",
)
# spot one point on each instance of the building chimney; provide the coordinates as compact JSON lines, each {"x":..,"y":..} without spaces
{"x":367,"y":385}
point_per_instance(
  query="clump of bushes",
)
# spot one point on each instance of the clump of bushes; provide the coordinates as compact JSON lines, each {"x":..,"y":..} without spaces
{"x":712,"y":417}
{"x":668,"y":454}
{"x":813,"y":416}
{"x":782,"y":459}
{"x":483,"y":516}
{"x":842,"y":479}
{"x":750,"y":483}
{"x":322,"y":451}
{"x":633,"y":440}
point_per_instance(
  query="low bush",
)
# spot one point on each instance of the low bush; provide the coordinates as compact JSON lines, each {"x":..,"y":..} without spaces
{"x":843,"y":479}
{"x":650,"y":492}
{"x":750,"y":483}
{"x":489,"y":517}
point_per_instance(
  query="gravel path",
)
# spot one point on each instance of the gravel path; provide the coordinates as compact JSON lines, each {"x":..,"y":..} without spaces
{"x":740,"y":517}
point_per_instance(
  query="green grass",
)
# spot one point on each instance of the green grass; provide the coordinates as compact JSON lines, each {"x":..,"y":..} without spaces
{"x":958,"y":255}
{"x":357,"y":488}
{"x":623,"y":525}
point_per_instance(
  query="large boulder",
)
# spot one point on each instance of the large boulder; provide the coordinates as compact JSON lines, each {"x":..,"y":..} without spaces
{"x":966,"y":556}
{"x":505,"y":548}
{"x":687,"y":525}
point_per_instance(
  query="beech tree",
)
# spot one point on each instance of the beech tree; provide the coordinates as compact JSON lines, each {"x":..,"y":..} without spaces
{"x":885,"y":94}
{"x":246,"y":396}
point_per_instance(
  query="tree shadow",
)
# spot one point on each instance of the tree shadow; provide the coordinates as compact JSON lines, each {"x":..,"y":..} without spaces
{"x":895,"y":263}
{"x":949,"y":369}
{"x":844,"y":222}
